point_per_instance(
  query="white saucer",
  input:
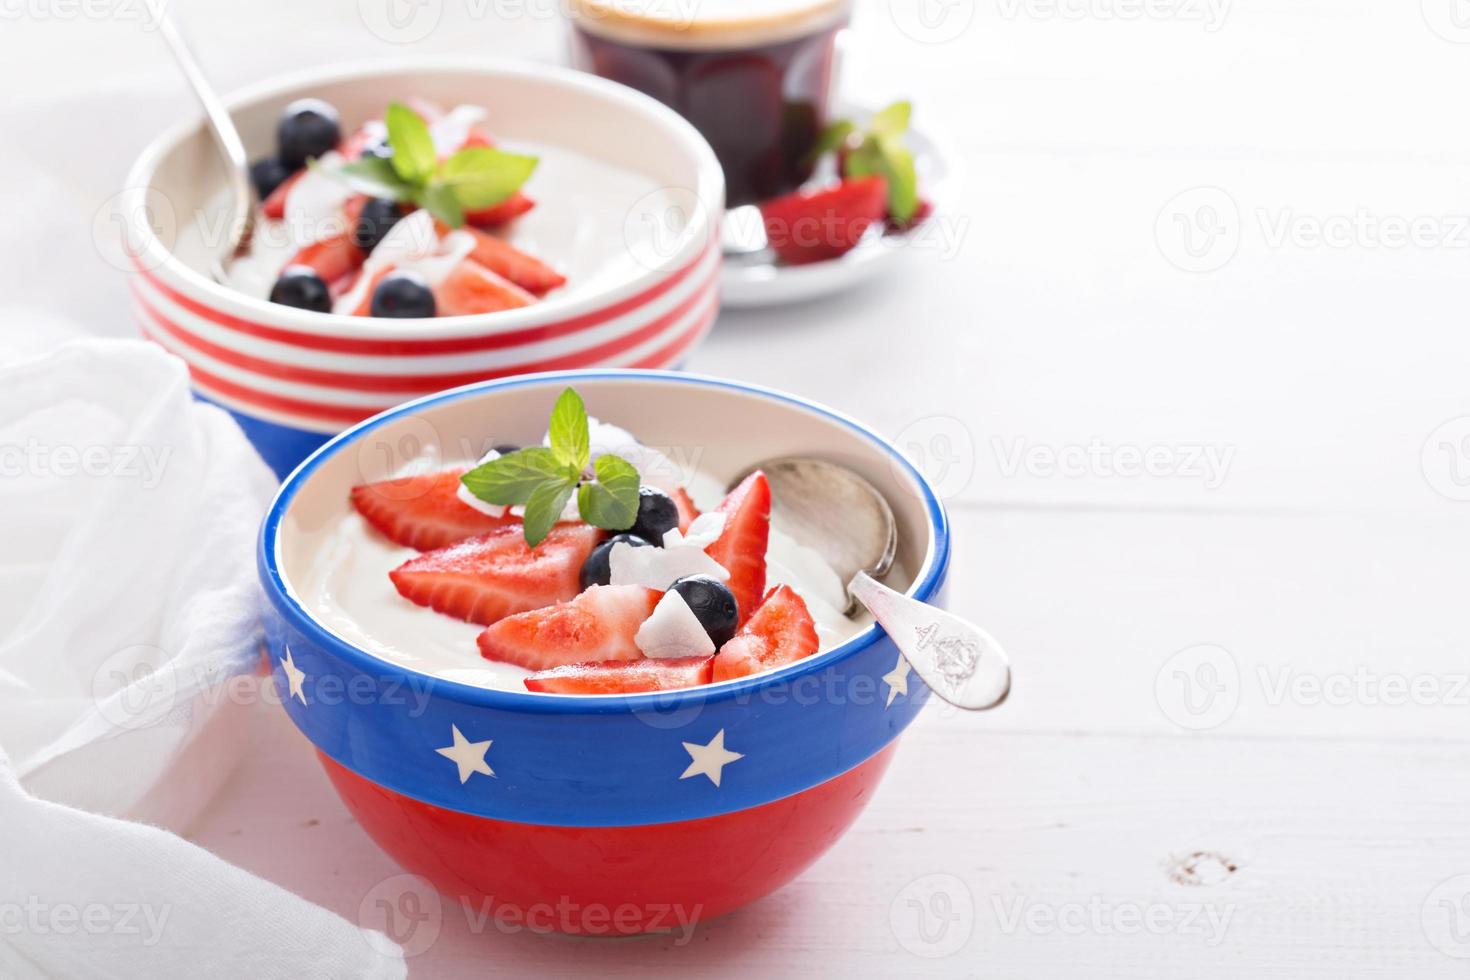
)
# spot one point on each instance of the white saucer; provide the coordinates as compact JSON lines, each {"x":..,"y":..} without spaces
{"x":754,"y":279}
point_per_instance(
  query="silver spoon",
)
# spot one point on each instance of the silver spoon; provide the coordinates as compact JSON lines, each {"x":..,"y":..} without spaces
{"x":231,"y":147}
{"x":842,"y":517}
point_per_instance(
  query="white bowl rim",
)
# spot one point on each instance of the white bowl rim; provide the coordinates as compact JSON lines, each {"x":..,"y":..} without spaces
{"x":157,"y":259}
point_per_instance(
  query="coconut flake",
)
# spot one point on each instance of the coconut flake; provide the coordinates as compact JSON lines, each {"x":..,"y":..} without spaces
{"x":672,"y":630}
{"x":703,"y":532}
{"x":659,"y":568}
{"x":450,"y":130}
{"x":315,"y":201}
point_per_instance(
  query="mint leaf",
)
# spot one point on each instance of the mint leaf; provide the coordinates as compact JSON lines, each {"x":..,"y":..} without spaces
{"x":439,"y":200}
{"x":544,"y":508}
{"x":892,"y":121}
{"x":570,"y":441}
{"x":612,"y":502}
{"x":375,"y":176}
{"x":903,"y":184}
{"x":512,"y":478}
{"x":414,"y":157}
{"x":482,"y":176}
{"x":833,"y":137}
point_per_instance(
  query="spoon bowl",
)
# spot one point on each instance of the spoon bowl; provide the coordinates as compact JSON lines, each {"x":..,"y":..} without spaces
{"x":841,"y":516}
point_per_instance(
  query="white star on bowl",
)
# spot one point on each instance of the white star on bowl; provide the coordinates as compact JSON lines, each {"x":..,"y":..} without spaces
{"x":897,"y":680}
{"x":709,"y":760}
{"x":294,"y":677}
{"x":468,"y":756}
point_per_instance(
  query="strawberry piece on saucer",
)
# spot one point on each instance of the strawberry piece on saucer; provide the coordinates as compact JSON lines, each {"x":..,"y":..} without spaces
{"x":499,"y":214}
{"x":741,"y":546}
{"x":815,"y":225}
{"x":275,"y":205}
{"x":332,"y":257}
{"x":424,"y":511}
{"x":494,"y":575}
{"x":598,"y":625}
{"x":780,"y":632}
{"x":623,"y":676}
{"x":471,"y":288}
{"x":504,"y":259}
{"x":687,"y":511}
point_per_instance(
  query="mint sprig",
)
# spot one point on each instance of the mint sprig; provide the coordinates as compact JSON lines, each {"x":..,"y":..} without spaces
{"x":473,"y":178}
{"x":880,"y":149}
{"x":543,"y":478}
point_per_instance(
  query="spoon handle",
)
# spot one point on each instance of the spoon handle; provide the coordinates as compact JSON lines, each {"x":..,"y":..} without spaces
{"x":222,"y":128}
{"x":958,"y":660}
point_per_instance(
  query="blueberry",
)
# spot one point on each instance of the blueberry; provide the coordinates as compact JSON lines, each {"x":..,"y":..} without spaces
{"x":301,"y":287}
{"x":378,"y":215}
{"x":267,"y":174}
{"x":379,"y":148}
{"x":713,"y":604}
{"x":402,"y":296}
{"x":657,"y":515}
{"x":505,"y":449}
{"x":308,"y":129}
{"x":597,"y":569}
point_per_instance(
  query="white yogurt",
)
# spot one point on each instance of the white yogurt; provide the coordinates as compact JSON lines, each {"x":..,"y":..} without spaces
{"x":347,"y":589}
{"x":579,"y":225}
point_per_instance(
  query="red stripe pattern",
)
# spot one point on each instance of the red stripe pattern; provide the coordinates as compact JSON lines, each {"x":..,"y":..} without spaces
{"x":325,"y":383}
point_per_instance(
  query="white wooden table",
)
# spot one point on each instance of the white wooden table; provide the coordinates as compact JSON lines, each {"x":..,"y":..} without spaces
{"x":1237,"y":744}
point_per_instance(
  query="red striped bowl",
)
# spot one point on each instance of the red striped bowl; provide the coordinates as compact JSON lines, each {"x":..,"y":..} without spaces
{"x":643,"y":270}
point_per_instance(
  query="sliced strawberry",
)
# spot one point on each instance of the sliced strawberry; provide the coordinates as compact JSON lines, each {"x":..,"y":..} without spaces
{"x":275,"y":205}
{"x":687,"y":511}
{"x":810,"y":226}
{"x":598,"y":625}
{"x":476,"y":137}
{"x":741,"y":546}
{"x":498,"y":214}
{"x":332,"y":257}
{"x":780,"y":632}
{"x":471,"y":288}
{"x":424,"y":511}
{"x":623,"y":676}
{"x":503,"y":258}
{"x":352,"y":209}
{"x":494,"y":575}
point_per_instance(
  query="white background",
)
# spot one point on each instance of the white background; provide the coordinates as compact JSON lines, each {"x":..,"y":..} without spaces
{"x":1055,"y":313}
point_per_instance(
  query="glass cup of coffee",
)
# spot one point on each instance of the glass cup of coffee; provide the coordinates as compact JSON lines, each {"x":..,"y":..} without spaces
{"x":753,"y":76}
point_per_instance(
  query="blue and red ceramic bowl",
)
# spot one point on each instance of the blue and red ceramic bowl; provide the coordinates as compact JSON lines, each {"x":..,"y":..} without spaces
{"x":608,"y":814}
{"x":629,"y":201}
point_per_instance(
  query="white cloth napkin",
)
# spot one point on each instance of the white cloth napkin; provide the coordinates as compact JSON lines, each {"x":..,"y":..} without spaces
{"x":128,"y":515}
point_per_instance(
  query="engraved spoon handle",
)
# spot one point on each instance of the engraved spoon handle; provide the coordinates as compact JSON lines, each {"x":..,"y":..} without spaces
{"x":959,"y":661}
